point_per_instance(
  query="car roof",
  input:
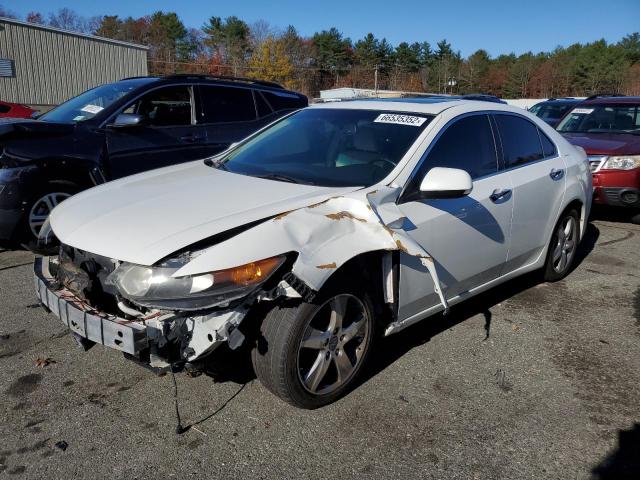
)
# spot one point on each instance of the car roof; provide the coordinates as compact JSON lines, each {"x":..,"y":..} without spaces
{"x":431,"y":106}
{"x":561,"y":100}
{"x":217,"y":80}
{"x":608,"y":100}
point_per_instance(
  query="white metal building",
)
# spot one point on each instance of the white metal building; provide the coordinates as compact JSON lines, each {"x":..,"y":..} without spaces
{"x":44,"y":66}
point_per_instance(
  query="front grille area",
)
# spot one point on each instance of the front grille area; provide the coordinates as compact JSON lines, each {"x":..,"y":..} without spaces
{"x":596,"y":162}
{"x":84,"y":274}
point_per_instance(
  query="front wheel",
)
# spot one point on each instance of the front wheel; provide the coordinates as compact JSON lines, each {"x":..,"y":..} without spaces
{"x":310,"y":355}
{"x":562,"y":247}
{"x":39,"y":209}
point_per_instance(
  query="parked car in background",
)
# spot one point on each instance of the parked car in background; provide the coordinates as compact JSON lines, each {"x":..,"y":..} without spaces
{"x":310,"y":238}
{"x":553,"y":109}
{"x":15,"y":110}
{"x":608,"y":128}
{"x":124,"y":128}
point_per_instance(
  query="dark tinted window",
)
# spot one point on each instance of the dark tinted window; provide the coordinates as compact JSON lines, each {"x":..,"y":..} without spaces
{"x":263,"y":108}
{"x":163,"y":107}
{"x":468,"y":145}
{"x":548,"y":148}
{"x":226,"y":104}
{"x":520,"y":140}
{"x":4,"y":108}
{"x":283,"y":100}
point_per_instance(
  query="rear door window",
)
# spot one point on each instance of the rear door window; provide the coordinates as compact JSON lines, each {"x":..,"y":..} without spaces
{"x":226,"y":104}
{"x":263,"y":107}
{"x":520,"y":140}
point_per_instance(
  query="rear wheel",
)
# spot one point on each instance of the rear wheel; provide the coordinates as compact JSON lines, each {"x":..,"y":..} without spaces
{"x":310,"y":355}
{"x":563,"y":246}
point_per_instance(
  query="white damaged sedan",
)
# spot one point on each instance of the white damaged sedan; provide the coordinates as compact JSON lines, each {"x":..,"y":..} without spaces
{"x":329,"y":228}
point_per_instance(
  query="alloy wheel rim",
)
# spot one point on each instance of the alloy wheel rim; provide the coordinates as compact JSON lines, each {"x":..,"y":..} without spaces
{"x":565,"y":246}
{"x":333,"y":344}
{"x":42,"y":208}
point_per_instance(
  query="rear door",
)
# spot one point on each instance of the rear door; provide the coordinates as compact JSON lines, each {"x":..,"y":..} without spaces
{"x":169,"y":134}
{"x":537,"y":174}
{"x":467,"y":237}
{"x":228,"y":114}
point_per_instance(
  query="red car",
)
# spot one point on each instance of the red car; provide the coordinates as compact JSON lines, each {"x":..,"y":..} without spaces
{"x":15,"y":110}
{"x":608,"y":128}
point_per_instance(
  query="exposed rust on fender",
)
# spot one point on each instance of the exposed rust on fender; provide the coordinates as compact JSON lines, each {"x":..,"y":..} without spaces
{"x":401,"y":247}
{"x":342,"y":215}
{"x":315,"y":205}
{"x":327,"y":265}
{"x":282,"y":215}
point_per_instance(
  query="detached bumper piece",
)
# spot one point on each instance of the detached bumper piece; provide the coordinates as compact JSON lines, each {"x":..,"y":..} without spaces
{"x":114,"y":332}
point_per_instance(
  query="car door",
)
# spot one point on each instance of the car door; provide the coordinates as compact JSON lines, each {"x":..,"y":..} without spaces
{"x":537,"y":174}
{"x":168,"y":134}
{"x":467,"y":237}
{"x":228,"y":115}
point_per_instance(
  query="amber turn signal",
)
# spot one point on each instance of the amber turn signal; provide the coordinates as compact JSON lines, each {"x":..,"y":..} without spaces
{"x":248,"y":274}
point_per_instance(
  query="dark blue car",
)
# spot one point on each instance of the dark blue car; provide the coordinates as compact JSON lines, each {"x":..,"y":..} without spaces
{"x":122,"y":128}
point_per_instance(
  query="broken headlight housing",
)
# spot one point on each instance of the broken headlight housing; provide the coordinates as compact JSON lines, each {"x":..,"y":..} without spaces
{"x":625,"y":162}
{"x":156,"y":287}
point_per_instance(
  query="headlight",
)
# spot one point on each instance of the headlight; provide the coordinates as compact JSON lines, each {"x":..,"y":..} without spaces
{"x":624,"y":162}
{"x":156,"y":287}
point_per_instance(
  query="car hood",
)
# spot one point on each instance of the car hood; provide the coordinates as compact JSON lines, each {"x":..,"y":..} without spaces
{"x":146,"y":217}
{"x":606,"y":143}
{"x":26,"y":127}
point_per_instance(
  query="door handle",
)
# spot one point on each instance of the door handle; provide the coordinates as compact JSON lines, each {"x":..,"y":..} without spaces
{"x":556,"y":173}
{"x":499,"y":194}
{"x":191,"y":138}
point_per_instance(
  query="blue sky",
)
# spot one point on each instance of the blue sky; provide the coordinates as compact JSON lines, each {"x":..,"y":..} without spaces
{"x":499,"y":26}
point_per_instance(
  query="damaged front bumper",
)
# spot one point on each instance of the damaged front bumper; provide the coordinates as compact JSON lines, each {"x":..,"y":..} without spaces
{"x":159,"y":339}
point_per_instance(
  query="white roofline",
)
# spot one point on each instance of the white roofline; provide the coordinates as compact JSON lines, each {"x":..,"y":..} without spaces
{"x":71,"y":32}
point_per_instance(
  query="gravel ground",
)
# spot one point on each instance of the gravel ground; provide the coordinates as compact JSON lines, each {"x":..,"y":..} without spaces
{"x":527,"y":381}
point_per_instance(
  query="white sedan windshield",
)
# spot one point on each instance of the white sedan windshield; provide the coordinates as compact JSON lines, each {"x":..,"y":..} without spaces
{"x":329,"y":147}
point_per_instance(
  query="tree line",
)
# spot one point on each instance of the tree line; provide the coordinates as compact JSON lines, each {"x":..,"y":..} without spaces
{"x":328,"y":59}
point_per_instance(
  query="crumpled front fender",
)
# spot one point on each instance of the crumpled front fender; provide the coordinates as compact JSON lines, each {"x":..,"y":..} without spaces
{"x":325,"y":235}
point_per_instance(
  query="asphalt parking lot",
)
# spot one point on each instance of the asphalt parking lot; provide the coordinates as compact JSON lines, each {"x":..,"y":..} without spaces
{"x":527,"y":381}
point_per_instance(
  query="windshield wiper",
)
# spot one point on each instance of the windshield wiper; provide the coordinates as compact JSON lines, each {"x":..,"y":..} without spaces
{"x":282,"y":178}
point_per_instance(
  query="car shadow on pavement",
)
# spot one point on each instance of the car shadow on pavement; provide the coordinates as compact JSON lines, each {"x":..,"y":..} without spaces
{"x":613,"y":214}
{"x":624,"y":462}
{"x":395,"y":346}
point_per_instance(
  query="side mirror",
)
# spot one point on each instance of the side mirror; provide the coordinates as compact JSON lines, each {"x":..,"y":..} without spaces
{"x":441,"y":182}
{"x":128,"y":120}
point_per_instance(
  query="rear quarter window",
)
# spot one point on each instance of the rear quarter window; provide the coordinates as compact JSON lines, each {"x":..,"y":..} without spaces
{"x":4,"y":108}
{"x":226,"y":104}
{"x":548,"y":148}
{"x":283,"y":100}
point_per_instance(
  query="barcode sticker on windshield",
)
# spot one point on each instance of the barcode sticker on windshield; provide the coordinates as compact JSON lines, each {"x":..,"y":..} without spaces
{"x":582,"y":111}
{"x":400,"y":119}
{"x":91,"y":108}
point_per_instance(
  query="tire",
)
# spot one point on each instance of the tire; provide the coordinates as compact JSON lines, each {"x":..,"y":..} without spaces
{"x":39,"y":208}
{"x":635,"y":219}
{"x":563,"y":245}
{"x":307,"y":376}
